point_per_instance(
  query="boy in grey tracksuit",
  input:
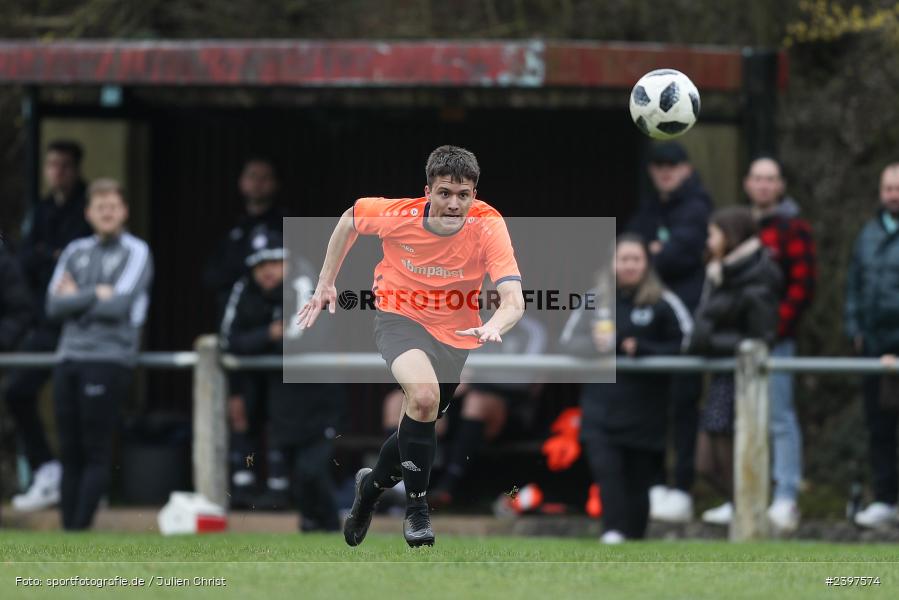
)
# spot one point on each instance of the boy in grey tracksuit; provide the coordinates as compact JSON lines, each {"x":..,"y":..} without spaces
{"x":100,"y":293}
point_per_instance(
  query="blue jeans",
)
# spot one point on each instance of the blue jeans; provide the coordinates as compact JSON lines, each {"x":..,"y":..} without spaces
{"x":786,"y":438}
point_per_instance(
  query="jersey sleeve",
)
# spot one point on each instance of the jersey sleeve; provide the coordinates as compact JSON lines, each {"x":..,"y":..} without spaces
{"x":368,"y":215}
{"x":498,"y":252}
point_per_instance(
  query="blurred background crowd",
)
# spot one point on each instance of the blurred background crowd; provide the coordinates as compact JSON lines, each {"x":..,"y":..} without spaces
{"x":775,"y":219}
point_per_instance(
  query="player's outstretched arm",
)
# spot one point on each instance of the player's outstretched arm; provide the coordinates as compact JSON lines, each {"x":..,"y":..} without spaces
{"x":509,"y":312}
{"x":342,"y":239}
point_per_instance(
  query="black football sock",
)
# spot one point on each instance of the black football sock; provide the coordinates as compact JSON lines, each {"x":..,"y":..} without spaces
{"x":466,"y":446}
{"x":417,"y":443}
{"x":386,"y":472}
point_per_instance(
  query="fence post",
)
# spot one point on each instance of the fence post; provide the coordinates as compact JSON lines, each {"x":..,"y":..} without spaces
{"x":210,"y":443}
{"x":751,"y":454}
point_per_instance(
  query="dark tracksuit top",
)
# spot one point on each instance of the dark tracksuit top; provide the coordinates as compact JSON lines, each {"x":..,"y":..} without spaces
{"x":102,"y":330}
{"x":226,"y":266}
{"x":48,"y":229}
{"x":299,"y":414}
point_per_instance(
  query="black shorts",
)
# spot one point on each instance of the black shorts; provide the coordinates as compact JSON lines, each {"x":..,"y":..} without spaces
{"x":396,"y":334}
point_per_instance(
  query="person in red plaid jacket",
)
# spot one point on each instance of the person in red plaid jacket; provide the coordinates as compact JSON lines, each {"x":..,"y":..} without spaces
{"x":790,"y":241}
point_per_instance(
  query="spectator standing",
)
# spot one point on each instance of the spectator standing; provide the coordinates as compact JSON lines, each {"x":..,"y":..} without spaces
{"x":623,"y":424}
{"x":790,"y":242}
{"x":100,"y":292}
{"x":872,"y":323}
{"x":302,"y":417}
{"x":739,"y":301}
{"x":673,"y":220}
{"x":258,"y":185}
{"x":55,"y":221}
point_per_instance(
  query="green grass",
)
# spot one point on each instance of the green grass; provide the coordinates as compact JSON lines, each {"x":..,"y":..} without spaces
{"x":321,"y":566}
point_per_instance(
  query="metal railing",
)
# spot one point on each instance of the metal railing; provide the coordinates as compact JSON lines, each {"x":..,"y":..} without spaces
{"x":752,"y":404}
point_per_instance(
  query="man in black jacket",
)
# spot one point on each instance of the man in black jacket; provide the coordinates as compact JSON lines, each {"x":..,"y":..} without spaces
{"x":302,"y":417}
{"x":674,"y":219}
{"x":258,"y":184}
{"x":53,"y":222}
{"x":872,"y":323}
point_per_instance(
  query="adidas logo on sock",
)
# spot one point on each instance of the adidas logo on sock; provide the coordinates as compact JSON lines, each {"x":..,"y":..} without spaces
{"x":408,"y":464}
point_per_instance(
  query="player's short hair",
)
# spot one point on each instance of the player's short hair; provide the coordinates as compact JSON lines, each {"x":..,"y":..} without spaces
{"x":70,"y":147}
{"x":458,"y":163}
{"x":104,"y":186}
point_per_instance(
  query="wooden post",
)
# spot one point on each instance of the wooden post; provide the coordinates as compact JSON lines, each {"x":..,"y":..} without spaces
{"x":751,"y":454}
{"x":210,"y":443}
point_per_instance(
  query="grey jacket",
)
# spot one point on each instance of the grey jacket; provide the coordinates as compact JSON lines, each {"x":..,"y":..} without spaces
{"x":107,"y":330}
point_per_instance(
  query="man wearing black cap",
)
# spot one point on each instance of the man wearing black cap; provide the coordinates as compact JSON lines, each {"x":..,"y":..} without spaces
{"x":302,"y":417}
{"x":673,"y":219}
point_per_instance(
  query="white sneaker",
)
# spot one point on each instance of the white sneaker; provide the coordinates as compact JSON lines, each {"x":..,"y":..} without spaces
{"x":243,"y":478}
{"x":612,"y":537}
{"x":784,"y":515}
{"x":877,"y":514}
{"x":676,"y":507}
{"x":720,"y":515}
{"x":656,"y":497}
{"x":44,"y":490}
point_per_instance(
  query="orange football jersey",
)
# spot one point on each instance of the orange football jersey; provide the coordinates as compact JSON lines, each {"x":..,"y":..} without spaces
{"x":432,"y":278}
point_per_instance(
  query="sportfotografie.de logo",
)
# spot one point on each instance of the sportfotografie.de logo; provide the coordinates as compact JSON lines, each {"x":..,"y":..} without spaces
{"x":457,"y":300}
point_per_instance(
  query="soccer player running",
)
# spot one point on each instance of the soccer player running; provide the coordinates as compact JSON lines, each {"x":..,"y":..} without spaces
{"x":437,"y":250}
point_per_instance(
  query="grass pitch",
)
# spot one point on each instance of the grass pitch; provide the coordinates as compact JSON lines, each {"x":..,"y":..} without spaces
{"x":296,"y":566}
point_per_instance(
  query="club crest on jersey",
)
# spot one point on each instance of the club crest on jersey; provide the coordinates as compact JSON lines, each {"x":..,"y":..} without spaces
{"x":110,"y":262}
{"x":642,"y":316}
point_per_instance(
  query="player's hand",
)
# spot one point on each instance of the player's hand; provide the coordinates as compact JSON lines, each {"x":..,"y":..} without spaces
{"x":66,"y":285}
{"x":484,"y":334}
{"x":604,"y":341}
{"x":276,"y":331}
{"x":325,"y":295}
{"x":629,"y":346}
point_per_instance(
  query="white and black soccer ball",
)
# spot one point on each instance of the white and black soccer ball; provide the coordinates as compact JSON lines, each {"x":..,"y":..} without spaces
{"x":664,"y":104}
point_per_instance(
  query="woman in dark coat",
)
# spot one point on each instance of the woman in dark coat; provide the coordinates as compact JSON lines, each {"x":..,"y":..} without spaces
{"x":739,"y":301}
{"x":624,"y":423}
